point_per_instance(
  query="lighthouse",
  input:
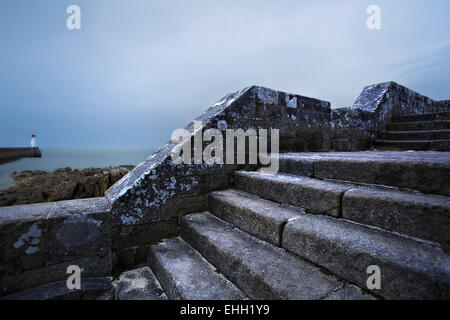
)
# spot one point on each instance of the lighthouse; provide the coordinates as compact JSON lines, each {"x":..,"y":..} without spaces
{"x":33,"y":140}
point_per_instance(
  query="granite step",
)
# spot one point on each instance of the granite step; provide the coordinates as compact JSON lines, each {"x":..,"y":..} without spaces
{"x":423,"y":117}
{"x":418,"y":145}
{"x":260,"y":269}
{"x":410,"y":269}
{"x":258,"y":217}
{"x":416,"y":135}
{"x":410,"y":213}
{"x":185,"y":275}
{"x":138,"y":284}
{"x":314,"y":195}
{"x":419,"y":125}
{"x":428,"y":172}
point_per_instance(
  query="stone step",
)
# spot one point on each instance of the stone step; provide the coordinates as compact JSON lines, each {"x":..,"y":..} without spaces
{"x":260,"y":269}
{"x":417,"y":145}
{"x":410,"y":269}
{"x":138,"y":284}
{"x":411,"y":213}
{"x":261,"y":218}
{"x":185,"y":275}
{"x":315,"y":196}
{"x":416,"y":135}
{"x":428,"y":172}
{"x":423,"y":117}
{"x":419,"y":125}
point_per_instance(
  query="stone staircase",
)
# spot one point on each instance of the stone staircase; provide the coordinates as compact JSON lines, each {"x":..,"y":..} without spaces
{"x":315,"y":230}
{"x":428,"y":131}
{"x":310,"y":232}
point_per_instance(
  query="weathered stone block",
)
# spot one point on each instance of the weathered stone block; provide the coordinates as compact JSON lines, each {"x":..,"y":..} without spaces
{"x":23,"y":246}
{"x":90,"y":267}
{"x":316,"y":196}
{"x":185,"y":275}
{"x":180,"y":206}
{"x":429,"y":174}
{"x":126,"y":236}
{"x":262,"y":270}
{"x":400,"y":211}
{"x":409,"y":269}
{"x":191,"y":185}
{"x":287,"y":129}
{"x":293,"y":164}
{"x":129,"y":258}
{"x":261,"y":218}
{"x":123,"y":259}
{"x":272,"y":112}
{"x":78,"y":228}
{"x":91,"y":289}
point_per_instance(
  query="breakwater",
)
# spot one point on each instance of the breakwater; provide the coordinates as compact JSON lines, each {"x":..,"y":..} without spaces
{"x":11,"y":154}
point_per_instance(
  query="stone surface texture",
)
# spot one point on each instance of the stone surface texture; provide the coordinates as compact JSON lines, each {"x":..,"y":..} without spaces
{"x":186,"y":275}
{"x":138,"y":284}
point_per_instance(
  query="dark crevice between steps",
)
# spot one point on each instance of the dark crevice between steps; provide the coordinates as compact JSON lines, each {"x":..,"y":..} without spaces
{"x":313,"y":169}
{"x":369,"y":292}
{"x":340,"y":286}
{"x":281,"y":231}
{"x":446,"y":247}
{"x":341,"y":203}
{"x":206,"y":206}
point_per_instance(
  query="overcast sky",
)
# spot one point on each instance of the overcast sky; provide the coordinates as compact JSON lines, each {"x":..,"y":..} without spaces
{"x":139,"y":69}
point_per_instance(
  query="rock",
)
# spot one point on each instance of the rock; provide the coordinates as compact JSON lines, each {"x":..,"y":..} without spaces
{"x":62,"y":184}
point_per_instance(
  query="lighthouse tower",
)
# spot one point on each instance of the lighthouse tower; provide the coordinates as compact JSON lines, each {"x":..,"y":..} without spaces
{"x":33,"y":141}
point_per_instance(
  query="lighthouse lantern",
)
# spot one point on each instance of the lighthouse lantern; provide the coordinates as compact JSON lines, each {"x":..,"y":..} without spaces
{"x":33,"y":141}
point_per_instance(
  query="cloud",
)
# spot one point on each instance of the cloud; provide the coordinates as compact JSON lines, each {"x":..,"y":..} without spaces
{"x":139,"y":69}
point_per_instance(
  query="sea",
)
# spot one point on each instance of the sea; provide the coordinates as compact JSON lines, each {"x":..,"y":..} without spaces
{"x":76,"y":158}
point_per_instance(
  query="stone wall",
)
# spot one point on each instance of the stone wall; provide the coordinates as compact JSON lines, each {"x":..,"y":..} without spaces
{"x":357,"y":127}
{"x":110,"y":234}
{"x":446,"y":102}
{"x":39,"y":242}
{"x":158,"y":191}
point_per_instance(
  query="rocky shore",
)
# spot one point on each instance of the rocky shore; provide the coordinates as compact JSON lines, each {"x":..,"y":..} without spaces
{"x":62,"y":184}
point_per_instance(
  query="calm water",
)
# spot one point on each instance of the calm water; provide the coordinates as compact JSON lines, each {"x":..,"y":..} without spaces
{"x":75,"y":158}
